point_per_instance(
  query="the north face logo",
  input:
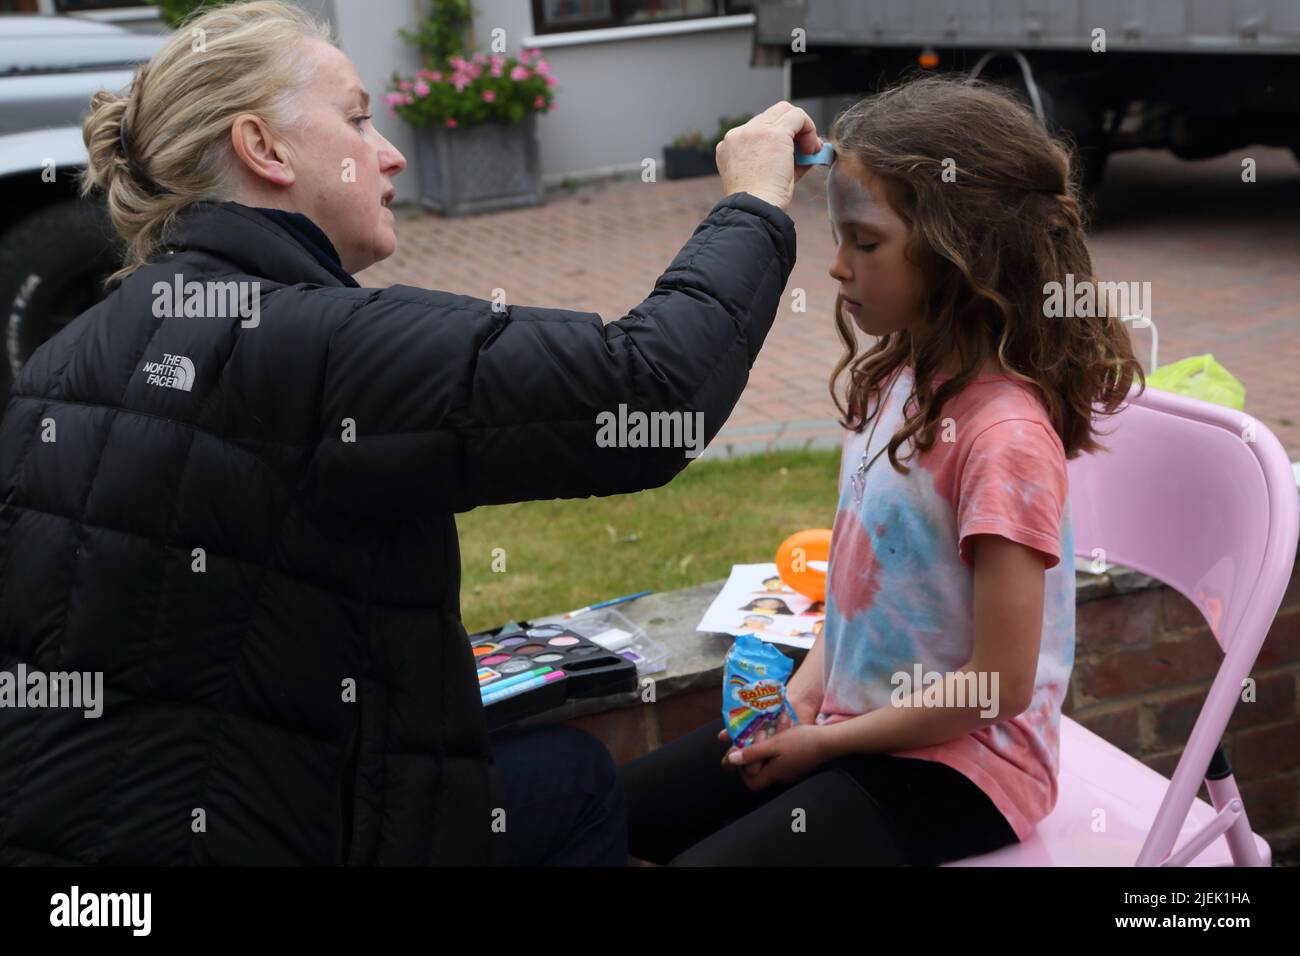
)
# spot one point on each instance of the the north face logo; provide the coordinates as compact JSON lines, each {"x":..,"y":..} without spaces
{"x":174,"y":371}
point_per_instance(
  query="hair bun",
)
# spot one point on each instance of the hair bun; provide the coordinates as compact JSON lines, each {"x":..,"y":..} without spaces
{"x":121,"y":137}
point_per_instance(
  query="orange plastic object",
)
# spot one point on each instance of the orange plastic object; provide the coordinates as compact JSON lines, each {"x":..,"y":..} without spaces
{"x":794,"y":555}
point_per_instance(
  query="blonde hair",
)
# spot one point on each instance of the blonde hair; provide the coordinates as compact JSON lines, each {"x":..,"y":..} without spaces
{"x":165,"y":145}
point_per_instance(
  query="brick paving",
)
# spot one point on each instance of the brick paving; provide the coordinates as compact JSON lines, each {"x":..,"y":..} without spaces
{"x":1222,"y":257}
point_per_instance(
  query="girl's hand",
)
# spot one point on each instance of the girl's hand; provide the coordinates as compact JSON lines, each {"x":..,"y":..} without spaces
{"x":782,"y":758}
{"x":806,"y":706}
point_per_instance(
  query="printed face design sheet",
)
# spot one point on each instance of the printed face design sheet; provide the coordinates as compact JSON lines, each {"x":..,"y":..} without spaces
{"x":756,"y":601}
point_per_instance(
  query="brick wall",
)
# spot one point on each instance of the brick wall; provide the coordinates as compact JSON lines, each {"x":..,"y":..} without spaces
{"x":1144,"y":661}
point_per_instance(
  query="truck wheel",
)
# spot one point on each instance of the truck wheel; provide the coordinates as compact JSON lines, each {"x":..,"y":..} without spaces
{"x":52,"y":267}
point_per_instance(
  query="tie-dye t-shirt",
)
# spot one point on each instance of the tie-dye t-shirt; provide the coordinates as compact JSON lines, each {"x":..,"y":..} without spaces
{"x":900,"y":578}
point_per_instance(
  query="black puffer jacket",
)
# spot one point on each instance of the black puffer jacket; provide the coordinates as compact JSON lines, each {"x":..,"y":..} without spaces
{"x":236,"y":523}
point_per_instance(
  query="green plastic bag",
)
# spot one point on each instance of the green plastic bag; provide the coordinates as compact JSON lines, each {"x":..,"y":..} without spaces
{"x":1199,"y":376}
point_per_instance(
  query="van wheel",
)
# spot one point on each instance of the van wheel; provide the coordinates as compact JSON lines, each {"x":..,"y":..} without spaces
{"x":52,"y":267}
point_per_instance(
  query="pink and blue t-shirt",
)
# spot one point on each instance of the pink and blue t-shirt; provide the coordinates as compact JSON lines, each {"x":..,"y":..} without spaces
{"x":900,"y":579}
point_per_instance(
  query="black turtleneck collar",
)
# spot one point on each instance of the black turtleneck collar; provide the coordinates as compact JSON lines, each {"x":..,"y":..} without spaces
{"x":312,"y":238}
{"x":269,"y":243}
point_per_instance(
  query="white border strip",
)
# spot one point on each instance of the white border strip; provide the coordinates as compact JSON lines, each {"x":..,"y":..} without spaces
{"x":639,"y":31}
{"x":119,"y":14}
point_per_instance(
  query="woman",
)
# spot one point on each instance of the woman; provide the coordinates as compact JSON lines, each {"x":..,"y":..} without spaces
{"x":229,"y":487}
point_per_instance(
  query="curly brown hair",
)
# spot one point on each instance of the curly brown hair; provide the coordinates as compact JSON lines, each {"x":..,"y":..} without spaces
{"x":987,"y":244}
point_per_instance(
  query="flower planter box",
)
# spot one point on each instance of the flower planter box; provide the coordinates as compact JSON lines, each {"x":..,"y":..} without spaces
{"x":682,"y":162}
{"x":480,"y":168}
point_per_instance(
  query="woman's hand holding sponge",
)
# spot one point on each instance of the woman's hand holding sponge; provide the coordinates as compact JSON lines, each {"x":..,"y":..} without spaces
{"x":755,"y":158}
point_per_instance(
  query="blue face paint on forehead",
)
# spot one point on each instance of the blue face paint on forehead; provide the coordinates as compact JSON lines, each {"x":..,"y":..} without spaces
{"x":848,"y":200}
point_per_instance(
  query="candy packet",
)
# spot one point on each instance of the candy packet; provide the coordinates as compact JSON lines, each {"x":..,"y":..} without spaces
{"x":753,"y":689}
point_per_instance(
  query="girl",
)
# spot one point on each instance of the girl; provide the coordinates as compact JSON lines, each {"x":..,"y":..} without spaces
{"x":951,"y":209}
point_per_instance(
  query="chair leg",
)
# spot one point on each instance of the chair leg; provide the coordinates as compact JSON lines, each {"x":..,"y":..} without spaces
{"x":1223,"y":790}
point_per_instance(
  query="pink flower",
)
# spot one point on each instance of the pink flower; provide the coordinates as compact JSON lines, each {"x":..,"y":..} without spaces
{"x":451,"y":122}
{"x":460,"y":82}
{"x":394,"y":98}
{"x":475,"y":70}
{"x":404,"y":85}
{"x":551,"y":81}
{"x":520,"y":73}
{"x":409,"y":99}
{"x":543,"y":68}
{"x":528,"y":52}
{"x":457,"y":61}
{"x":435,"y":76}
{"x":480,"y":57}
{"x":540,"y":102}
{"x":498,"y":61}
{"x":489,"y":96}
{"x":421,"y":88}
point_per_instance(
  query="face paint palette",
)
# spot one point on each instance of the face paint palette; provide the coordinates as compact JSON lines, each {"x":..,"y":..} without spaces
{"x":525,"y":669}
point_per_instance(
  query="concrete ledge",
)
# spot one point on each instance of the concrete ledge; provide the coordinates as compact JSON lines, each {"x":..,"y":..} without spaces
{"x":695,"y":658}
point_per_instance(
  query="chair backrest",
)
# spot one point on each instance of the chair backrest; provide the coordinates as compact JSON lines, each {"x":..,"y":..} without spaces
{"x":1202,"y":498}
{"x":1198,"y":496}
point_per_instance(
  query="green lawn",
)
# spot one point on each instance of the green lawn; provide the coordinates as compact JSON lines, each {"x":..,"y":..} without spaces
{"x":561,"y":555}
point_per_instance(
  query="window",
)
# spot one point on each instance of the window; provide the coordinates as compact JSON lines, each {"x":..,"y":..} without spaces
{"x":558,"y":16}
{"x":81,"y":6}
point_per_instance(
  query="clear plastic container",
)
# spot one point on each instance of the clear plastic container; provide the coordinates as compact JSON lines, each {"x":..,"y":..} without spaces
{"x":614,"y":632}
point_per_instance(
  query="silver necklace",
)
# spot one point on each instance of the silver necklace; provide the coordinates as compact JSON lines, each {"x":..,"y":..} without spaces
{"x":858,"y":480}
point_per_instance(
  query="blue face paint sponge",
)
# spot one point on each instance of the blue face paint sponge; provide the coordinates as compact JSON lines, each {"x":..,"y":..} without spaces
{"x":823,"y":157}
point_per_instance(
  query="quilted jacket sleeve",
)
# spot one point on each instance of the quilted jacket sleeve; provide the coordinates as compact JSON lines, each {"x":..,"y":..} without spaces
{"x":454,"y":404}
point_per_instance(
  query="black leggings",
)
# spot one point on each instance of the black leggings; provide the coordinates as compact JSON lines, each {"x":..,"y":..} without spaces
{"x":684,"y":809}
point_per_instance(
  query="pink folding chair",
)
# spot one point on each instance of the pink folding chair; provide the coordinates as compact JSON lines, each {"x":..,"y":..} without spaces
{"x":1202,"y":498}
